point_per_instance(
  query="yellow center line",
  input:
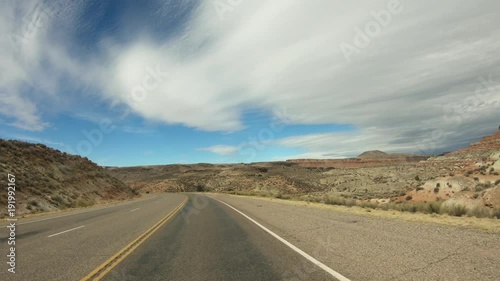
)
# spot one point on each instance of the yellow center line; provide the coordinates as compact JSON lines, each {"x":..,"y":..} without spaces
{"x":107,"y":266}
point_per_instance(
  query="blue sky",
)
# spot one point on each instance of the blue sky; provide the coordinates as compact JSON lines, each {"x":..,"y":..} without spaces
{"x":183,"y":81}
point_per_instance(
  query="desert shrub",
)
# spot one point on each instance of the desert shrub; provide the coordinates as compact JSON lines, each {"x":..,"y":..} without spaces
{"x":368,"y":204}
{"x":457,"y":210}
{"x":497,"y":182}
{"x":409,"y":197}
{"x":479,"y":212}
{"x":419,"y":188}
{"x":405,"y":207}
{"x":349,"y":202}
{"x":476,"y":178}
{"x":388,"y":206}
{"x":436,"y":189}
{"x":438,"y":184}
{"x":435,"y":207}
{"x":475,"y":196}
{"x":200,"y":188}
{"x":429,"y":208}
{"x":58,"y":200}
{"x":314,"y":199}
{"x":53,"y":186}
{"x":496,"y":213}
{"x":33,"y":203}
{"x":336,"y":200}
{"x":36,"y":191}
{"x":468,"y":173}
{"x":417,"y":178}
{"x":84,"y":203}
{"x":483,"y":186}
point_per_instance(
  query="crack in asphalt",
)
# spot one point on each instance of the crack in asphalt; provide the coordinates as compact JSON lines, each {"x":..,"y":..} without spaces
{"x":452,"y":253}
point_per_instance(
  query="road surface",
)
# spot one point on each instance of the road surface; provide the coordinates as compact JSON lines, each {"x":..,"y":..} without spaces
{"x":221,"y":237}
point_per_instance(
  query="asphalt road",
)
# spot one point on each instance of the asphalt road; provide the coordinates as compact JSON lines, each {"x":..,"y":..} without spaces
{"x":210,"y":241}
{"x":220,"y":237}
{"x":205,"y":240}
{"x":68,"y":246}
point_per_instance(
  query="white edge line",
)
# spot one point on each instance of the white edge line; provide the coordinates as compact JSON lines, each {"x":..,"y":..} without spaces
{"x":65,"y":231}
{"x":332,"y":272}
{"x":134,"y":210}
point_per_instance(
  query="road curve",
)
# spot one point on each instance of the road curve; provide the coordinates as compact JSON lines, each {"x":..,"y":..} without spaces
{"x":210,"y":241}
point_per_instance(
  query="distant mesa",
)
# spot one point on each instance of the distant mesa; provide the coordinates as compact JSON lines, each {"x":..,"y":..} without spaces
{"x":373,"y":154}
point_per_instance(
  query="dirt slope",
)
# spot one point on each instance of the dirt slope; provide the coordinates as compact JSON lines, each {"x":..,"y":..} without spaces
{"x":47,"y":179}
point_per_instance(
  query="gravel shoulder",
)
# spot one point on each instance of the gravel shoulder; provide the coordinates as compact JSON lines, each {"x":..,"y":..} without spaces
{"x":367,"y":247}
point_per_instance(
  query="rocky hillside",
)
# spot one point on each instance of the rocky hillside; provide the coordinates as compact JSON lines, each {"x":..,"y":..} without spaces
{"x":275,"y":176}
{"x":367,"y":159}
{"x":470,"y":176}
{"x":295,"y":177}
{"x":480,"y":155}
{"x":47,"y":179}
{"x":373,"y":154}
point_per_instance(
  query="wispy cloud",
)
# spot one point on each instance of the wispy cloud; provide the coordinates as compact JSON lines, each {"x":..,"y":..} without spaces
{"x":137,"y":130}
{"x":223,"y":150}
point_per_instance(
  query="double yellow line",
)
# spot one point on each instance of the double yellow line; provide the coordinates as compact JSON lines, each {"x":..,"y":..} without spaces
{"x":107,"y":266}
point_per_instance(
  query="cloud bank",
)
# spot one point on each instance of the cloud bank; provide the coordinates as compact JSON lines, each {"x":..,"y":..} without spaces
{"x":428,"y":81}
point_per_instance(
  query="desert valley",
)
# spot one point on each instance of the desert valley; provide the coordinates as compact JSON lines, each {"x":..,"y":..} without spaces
{"x":463,"y":182}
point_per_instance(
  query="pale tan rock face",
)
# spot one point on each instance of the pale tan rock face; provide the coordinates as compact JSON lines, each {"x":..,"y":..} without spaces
{"x":496,"y":166}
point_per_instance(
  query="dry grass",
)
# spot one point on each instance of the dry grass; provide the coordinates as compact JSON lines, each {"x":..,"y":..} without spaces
{"x":434,"y":212}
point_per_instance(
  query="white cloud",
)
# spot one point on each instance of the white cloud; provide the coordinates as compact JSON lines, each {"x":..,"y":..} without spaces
{"x":342,"y":145}
{"x":33,"y":64}
{"x":137,"y":130}
{"x":223,"y":150}
{"x":269,"y":54}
